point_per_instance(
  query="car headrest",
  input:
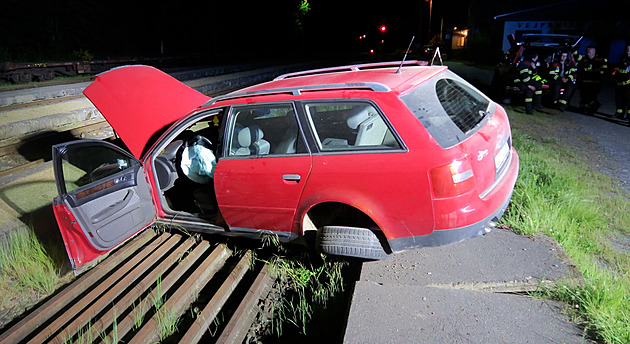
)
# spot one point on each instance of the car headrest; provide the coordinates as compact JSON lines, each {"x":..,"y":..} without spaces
{"x":360,"y":114}
{"x":249,"y":135}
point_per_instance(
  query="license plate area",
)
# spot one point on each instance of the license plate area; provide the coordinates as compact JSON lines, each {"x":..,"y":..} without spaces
{"x":501,"y":158}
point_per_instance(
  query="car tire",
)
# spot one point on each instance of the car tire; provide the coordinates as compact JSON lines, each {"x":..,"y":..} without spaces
{"x":350,"y":242}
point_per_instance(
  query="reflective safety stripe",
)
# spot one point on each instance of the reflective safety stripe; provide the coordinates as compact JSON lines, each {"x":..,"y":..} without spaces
{"x":619,"y":111}
{"x":529,"y":100}
{"x":562,"y":101}
{"x":526,"y":79}
{"x":538,"y":92}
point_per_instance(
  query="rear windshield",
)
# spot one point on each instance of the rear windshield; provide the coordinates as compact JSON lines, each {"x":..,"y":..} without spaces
{"x":449,"y":108}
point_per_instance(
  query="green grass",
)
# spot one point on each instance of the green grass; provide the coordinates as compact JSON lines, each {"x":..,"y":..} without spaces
{"x":167,"y":319}
{"x":559,"y":194}
{"x":302,"y":284}
{"x":25,"y":262}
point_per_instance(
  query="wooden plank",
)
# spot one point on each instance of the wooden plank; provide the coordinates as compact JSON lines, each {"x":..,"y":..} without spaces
{"x":185,"y":294}
{"x":126,"y":324}
{"x":242,"y":319}
{"x":99,"y":289}
{"x":60,"y":300}
{"x":212,"y":309}
{"x":98,"y":325}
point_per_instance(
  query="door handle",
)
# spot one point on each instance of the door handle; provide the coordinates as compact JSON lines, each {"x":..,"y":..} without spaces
{"x":292,"y":177}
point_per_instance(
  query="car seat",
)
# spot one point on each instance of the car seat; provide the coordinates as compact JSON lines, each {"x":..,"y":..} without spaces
{"x":288,"y":140}
{"x":370,"y":127}
{"x":251,"y":142}
{"x":165,"y":165}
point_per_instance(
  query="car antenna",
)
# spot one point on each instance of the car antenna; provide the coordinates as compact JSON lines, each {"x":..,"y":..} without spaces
{"x":405,"y":57}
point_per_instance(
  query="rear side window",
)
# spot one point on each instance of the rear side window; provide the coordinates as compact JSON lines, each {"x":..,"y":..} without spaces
{"x":449,"y":108}
{"x":342,"y":126}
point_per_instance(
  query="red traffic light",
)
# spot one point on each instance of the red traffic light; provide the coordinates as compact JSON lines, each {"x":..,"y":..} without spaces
{"x":383,"y":28}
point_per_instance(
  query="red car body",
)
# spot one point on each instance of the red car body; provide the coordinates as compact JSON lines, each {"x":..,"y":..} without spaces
{"x":372,"y":159}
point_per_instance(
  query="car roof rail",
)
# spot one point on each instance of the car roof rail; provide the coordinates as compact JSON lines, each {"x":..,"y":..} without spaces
{"x":296,"y":91}
{"x":351,"y":68}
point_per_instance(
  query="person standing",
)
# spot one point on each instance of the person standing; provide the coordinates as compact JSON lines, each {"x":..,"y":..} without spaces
{"x":562,"y":75}
{"x":529,"y":83}
{"x":590,"y":71}
{"x":621,"y":75}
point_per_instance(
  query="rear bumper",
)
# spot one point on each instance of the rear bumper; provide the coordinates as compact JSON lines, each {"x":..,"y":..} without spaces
{"x":450,"y":236}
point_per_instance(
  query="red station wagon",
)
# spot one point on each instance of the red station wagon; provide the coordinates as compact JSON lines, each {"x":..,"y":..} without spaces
{"x":365,"y":160}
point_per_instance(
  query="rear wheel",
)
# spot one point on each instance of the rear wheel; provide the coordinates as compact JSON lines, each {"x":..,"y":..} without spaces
{"x":350,"y":242}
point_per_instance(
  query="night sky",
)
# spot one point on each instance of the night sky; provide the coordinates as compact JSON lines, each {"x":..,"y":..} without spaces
{"x":60,"y":30}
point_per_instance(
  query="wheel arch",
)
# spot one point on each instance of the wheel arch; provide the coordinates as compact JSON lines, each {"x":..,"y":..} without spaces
{"x":334,"y":213}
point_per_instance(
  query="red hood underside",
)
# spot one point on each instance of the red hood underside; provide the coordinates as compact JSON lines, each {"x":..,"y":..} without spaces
{"x":139,"y":101}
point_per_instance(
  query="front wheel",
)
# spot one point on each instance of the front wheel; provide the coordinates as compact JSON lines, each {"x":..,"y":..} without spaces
{"x":350,"y":242}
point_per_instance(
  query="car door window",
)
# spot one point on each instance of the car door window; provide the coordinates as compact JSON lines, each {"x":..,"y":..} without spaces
{"x":264,"y":130}
{"x":90,"y":164}
{"x":104,"y":198}
{"x":349,"y":126}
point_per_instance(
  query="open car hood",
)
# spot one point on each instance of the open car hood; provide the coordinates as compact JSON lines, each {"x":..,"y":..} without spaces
{"x":139,"y":101}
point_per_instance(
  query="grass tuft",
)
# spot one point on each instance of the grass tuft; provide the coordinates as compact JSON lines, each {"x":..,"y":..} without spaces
{"x":24,"y":260}
{"x":302,"y":285}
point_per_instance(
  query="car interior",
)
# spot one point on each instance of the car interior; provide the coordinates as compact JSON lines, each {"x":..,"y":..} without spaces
{"x":184,"y":169}
{"x":185,"y":166}
{"x":350,"y":126}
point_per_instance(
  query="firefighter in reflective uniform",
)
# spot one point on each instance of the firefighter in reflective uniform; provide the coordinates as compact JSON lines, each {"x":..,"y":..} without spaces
{"x":529,"y":83}
{"x":562,"y":75}
{"x":590,"y":71}
{"x":622,"y":88}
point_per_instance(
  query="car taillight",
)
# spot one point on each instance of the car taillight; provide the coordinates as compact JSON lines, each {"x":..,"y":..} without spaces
{"x":453,"y":179}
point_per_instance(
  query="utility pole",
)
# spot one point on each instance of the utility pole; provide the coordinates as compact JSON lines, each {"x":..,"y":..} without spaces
{"x":430,"y":13}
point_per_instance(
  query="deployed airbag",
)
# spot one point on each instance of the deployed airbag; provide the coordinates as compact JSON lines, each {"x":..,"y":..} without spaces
{"x":198,"y":160}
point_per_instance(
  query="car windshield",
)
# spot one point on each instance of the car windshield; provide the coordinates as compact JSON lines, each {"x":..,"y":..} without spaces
{"x":449,"y":108}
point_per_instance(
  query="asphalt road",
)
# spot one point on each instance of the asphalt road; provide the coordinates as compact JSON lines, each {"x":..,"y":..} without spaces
{"x":469,"y":292}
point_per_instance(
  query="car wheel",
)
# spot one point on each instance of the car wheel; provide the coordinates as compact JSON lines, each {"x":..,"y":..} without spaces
{"x":350,"y":242}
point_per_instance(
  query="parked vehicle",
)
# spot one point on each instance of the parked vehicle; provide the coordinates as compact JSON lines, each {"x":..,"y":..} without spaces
{"x":368,"y":159}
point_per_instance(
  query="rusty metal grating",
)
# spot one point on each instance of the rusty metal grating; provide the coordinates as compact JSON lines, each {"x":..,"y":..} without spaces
{"x":154,"y":285}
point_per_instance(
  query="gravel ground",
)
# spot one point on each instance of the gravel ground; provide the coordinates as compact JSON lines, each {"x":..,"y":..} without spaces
{"x":613,"y":139}
{"x":604,"y":143}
